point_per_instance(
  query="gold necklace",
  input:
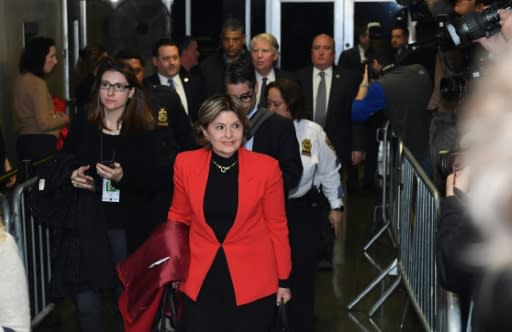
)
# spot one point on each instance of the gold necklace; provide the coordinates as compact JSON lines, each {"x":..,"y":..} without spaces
{"x":224,"y":169}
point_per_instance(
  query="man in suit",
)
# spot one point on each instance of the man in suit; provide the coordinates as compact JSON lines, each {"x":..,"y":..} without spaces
{"x":275,"y":136}
{"x":353,"y":58}
{"x":399,"y":39}
{"x":340,"y":89}
{"x":329,"y":93}
{"x":189,"y":87}
{"x":213,"y":68}
{"x":189,"y":54}
{"x":264,"y":56}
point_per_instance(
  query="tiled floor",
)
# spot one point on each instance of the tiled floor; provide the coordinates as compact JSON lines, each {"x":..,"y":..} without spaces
{"x":335,"y":289}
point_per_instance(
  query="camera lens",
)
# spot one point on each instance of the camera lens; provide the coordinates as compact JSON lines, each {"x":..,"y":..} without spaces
{"x":447,"y":162}
{"x":454,"y":88}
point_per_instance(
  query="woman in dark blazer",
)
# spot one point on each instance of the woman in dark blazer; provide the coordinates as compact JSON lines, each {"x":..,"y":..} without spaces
{"x":116,"y":149}
{"x":233,"y":200}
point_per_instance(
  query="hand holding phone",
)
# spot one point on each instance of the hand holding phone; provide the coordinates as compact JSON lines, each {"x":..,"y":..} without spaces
{"x":108,"y":163}
{"x":110,"y":170}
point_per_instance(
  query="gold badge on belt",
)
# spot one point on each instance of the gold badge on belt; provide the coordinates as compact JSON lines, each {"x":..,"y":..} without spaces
{"x":162,"y":118}
{"x":306,"y":147}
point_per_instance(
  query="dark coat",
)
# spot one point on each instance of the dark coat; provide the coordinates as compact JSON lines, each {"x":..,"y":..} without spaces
{"x":276,"y":137}
{"x":213,"y":70}
{"x":351,"y":59}
{"x":137,"y":153}
{"x":194,"y":87}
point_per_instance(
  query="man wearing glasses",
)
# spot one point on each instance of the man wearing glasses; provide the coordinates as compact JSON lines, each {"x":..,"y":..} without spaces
{"x":270,"y":133}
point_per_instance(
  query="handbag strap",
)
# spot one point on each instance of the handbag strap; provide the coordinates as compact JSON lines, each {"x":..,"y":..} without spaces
{"x":257,"y":120}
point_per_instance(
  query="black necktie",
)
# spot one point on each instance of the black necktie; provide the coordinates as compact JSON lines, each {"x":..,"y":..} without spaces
{"x":171,"y":84}
{"x":263,"y":92}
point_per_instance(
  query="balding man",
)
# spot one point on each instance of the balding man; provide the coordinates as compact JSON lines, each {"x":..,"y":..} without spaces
{"x":329,"y":93}
{"x":264,"y":56}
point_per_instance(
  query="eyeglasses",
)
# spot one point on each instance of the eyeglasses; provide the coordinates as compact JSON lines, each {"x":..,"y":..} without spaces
{"x":119,"y":87}
{"x":246,"y":97}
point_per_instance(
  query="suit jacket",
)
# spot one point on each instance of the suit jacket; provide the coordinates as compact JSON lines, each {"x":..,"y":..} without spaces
{"x":351,"y":59}
{"x":193,"y":86}
{"x":213,"y":70}
{"x":256,"y":247}
{"x":276,"y":137}
{"x":195,"y":90}
{"x":345,"y":136}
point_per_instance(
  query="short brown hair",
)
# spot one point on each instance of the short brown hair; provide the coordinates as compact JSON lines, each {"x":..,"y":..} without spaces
{"x":210,"y":110}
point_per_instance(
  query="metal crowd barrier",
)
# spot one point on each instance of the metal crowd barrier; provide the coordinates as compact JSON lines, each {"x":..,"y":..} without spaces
{"x":410,"y":210}
{"x":33,"y":239}
{"x":34,"y":242}
{"x":392,"y":149}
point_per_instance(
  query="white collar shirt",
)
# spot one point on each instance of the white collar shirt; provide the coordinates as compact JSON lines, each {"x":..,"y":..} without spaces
{"x":271,"y":77}
{"x":178,"y":86}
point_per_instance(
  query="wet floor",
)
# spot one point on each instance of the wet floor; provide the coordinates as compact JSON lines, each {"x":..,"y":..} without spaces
{"x":335,"y":289}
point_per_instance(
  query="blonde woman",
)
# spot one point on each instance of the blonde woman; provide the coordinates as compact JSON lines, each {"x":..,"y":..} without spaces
{"x":14,"y":303}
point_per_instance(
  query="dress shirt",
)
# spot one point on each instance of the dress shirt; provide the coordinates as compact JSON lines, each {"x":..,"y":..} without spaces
{"x":320,"y":164}
{"x":271,"y":77}
{"x":316,"y":82}
{"x":178,"y":86}
{"x":361,"y":53}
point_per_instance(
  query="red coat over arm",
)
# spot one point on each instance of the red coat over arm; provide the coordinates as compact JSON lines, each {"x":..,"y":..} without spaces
{"x":256,"y":247}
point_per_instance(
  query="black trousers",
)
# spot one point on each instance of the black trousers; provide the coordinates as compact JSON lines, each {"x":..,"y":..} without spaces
{"x":216,"y":311}
{"x":304,"y":225}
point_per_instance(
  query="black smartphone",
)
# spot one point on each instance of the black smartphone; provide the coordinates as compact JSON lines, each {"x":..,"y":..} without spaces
{"x":108,"y":163}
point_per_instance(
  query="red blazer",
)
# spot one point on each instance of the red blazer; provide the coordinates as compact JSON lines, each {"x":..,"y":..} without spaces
{"x":256,"y":247}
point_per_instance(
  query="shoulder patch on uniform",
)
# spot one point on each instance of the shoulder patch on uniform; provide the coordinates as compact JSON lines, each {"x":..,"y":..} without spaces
{"x":162,"y":120}
{"x":306,"y":147}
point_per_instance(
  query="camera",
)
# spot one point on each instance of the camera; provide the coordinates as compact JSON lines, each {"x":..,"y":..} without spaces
{"x":463,"y":30}
{"x":454,"y":88}
{"x":449,"y":161}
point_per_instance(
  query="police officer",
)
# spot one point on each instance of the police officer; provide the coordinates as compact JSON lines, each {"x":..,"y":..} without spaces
{"x":174,"y":132}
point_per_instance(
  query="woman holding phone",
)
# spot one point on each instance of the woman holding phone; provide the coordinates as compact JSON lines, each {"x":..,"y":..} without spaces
{"x":116,"y":149}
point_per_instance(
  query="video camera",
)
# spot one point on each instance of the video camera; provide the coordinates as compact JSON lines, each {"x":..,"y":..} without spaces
{"x":463,"y":30}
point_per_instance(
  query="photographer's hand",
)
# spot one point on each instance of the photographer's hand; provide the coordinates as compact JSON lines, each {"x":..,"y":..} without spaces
{"x":458,"y":179}
{"x":363,"y":87}
{"x":497,"y":42}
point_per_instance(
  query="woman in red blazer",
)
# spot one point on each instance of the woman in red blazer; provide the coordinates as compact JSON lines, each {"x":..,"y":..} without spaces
{"x":233,"y":200}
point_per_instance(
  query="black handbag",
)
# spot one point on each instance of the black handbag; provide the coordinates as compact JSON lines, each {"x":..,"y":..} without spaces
{"x":281,"y":320}
{"x":166,"y":319}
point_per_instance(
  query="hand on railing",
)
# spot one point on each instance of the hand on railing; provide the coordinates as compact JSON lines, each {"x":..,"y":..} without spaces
{"x":7,"y":168}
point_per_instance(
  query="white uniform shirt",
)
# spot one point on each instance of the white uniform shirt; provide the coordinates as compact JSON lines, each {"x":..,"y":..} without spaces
{"x":320,"y":164}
